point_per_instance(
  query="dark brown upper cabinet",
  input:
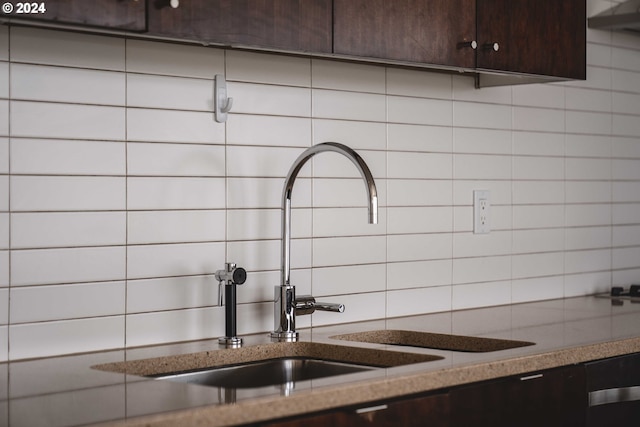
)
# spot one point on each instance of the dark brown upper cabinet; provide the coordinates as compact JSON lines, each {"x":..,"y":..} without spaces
{"x":529,"y":37}
{"x":291,"y":25}
{"x":538,"y":37}
{"x":126,"y":15}
{"x":438,"y":32}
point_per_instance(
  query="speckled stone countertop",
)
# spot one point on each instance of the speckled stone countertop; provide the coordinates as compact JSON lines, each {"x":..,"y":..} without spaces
{"x":67,"y":391}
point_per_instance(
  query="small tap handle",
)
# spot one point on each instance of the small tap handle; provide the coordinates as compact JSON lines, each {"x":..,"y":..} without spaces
{"x":230,"y":276}
{"x":329,"y":306}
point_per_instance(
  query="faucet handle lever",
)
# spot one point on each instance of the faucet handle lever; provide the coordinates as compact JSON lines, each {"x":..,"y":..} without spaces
{"x":329,"y":306}
{"x":306,"y":304}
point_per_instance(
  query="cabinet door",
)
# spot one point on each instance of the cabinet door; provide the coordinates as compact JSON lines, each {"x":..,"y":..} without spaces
{"x":614,"y":392}
{"x":122,"y":15}
{"x":420,"y":31}
{"x":552,"y":398}
{"x":431,"y":410}
{"x":294,"y":25}
{"x":543,"y":37}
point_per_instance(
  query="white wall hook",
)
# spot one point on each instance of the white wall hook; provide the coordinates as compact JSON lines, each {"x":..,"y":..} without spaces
{"x":222,"y":104}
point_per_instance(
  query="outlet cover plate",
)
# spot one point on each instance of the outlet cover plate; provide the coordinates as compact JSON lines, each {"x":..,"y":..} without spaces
{"x":481,"y":211}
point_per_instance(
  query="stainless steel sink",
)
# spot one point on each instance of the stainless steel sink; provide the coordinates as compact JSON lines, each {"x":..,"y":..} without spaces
{"x":265,"y":373}
{"x":432,"y":340}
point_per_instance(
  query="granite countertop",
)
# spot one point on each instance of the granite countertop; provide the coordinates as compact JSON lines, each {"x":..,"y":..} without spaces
{"x":67,"y":391}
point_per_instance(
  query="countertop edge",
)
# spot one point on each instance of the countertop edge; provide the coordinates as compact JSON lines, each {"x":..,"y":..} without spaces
{"x":368,"y":391}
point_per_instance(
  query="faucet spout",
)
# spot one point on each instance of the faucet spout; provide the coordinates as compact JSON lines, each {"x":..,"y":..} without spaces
{"x":285,"y":295}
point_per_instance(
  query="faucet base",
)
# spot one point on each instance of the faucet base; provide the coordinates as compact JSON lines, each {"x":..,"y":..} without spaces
{"x":230,"y":342}
{"x":286,"y":336}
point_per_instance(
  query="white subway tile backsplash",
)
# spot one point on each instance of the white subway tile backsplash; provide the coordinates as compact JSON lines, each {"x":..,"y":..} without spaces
{"x":248,"y":129}
{"x":418,"y":274}
{"x":587,"y":261}
{"x":47,"y":303}
{"x":147,"y":261}
{"x":67,"y":157}
{"x":541,"y":264}
{"x":269,"y":69}
{"x":254,"y":98}
{"x":4,"y":231}
{"x":4,"y":155}
{"x":407,"y":302}
{"x":67,"y":229}
{"x":67,"y":193}
{"x":355,"y":134}
{"x":490,"y":116}
{"x":4,"y":80}
{"x":174,"y":293}
{"x":539,"y":119}
{"x":160,"y":193}
{"x":65,"y":337}
{"x":590,"y":238}
{"x":117,"y":181}
{"x":587,"y":215}
{"x":173,"y":126}
{"x":480,"y":295}
{"x":348,"y":250}
{"x":41,"y":46}
{"x":418,"y":83}
{"x":175,"y":226}
{"x":414,"y":220}
{"x":45,"y":83}
{"x":538,"y":143}
{"x":419,"y":247}
{"x":347,"y":76}
{"x":419,"y":138}
{"x":69,"y":265}
{"x":177,"y":325}
{"x":481,"y":269}
{"x":419,"y":111}
{"x":4,"y":118}
{"x":4,"y":43}
{"x":71,"y":121}
{"x":540,"y":95}
{"x":173,"y":59}
{"x":419,"y":165}
{"x":175,"y":93}
{"x":333,"y":104}
{"x":351,"y":279}
{"x":260,"y":224}
{"x":153,"y":159}
{"x":4,"y":268}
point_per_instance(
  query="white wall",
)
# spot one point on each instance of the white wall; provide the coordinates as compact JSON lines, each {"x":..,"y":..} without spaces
{"x":120,"y":196}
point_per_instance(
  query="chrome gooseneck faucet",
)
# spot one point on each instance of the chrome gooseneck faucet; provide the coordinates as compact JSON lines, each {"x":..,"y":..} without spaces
{"x":286,"y":303}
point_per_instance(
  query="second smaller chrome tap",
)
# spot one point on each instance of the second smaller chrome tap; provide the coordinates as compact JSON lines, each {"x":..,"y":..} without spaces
{"x":229,"y":278}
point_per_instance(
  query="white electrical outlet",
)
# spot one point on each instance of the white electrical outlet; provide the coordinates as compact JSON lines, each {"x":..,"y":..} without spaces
{"x":481,"y":211}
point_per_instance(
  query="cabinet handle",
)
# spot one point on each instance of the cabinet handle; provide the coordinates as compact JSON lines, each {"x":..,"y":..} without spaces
{"x":491,"y":46}
{"x":371,"y":409}
{"x":531,"y":377}
{"x":472,"y":44}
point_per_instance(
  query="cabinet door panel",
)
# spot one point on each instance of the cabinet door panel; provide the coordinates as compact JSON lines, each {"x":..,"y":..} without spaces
{"x":296,"y":25}
{"x":554,"y":398}
{"x":123,"y":15}
{"x":432,"y":411}
{"x":421,"y":31}
{"x":544,"y":37}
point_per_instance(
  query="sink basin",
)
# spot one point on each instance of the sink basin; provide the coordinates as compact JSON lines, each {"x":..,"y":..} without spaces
{"x":433,"y":340}
{"x":266,"y":373}
{"x":266,"y":365}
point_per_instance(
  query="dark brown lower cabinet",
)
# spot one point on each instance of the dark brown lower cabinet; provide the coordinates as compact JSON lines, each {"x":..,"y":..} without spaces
{"x":614,"y":392}
{"x":549,"y":398}
{"x":555,"y":397}
{"x":429,"y":410}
